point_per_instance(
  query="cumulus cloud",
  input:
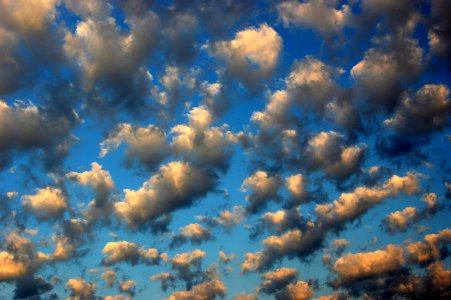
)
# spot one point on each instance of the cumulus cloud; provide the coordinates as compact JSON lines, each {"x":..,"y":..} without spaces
{"x":400,"y":220}
{"x":277,"y":280}
{"x":380,"y":74}
{"x":328,"y":151}
{"x":244,"y":296}
{"x":26,"y":127}
{"x":101,"y":182}
{"x":351,"y":267}
{"x":202,"y":291}
{"x":330,"y":217}
{"x":310,"y":85}
{"x":251,"y":55}
{"x":297,"y":187}
{"x":263,"y":188}
{"x":424,"y":113}
{"x":176,"y":185}
{"x":131,"y":253}
{"x":195,"y":233}
{"x":74,"y":233}
{"x":120,"y":71}
{"x":350,"y":206}
{"x":320,"y":15}
{"x":299,"y":290}
{"x":81,"y":289}
{"x":431,"y":248}
{"x":437,"y":282}
{"x":188,"y":266}
{"x":279,"y":221}
{"x":19,"y":258}
{"x":225,"y":258}
{"x":147,"y":146}
{"x":110,"y":277}
{"x":127,"y":287}
{"x":167,"y":280}
{"x":226,"y":218}
{"x":48,"y":203}
{"x":27,"y":25}
{"x":440,"y":27}
{"x":201,"y":144}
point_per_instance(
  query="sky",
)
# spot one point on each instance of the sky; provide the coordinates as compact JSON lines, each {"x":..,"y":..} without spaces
{"x":239,"y":150}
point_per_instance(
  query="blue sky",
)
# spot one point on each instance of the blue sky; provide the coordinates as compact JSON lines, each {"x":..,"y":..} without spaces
{"x":224,"y":149}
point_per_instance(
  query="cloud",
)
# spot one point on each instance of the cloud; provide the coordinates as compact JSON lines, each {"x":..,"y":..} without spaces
{"x":81,"y":289}
{"x":380,"y":74}
{"x":48,"y":203}
{"x":110,"y":277}
{"x":328,"y":151}
{"x":400,"y":220}
{"x":31,"y":287}
{"x":195,"y":233}
{"x":339,"y":245}
{"x":176,"y":185}
{"x":310,"y":85}
{"x":303,"y":240}
{"x":102,"y":184}
{"x":203,"y":291}
{"x":131,"y":253}
{"x":117,"y":297}
{"x":180,"y":33}
{"x":251,"y":55}
{"x":201,"y":144}
{"x":244,"y":296}
{"x":430,"y":249}
{"x":320,"y":15}
{"x":20,"y":258}
{"x":27,"y":25}
{"x":350,"y":206}
{"x":439,"y":28}
{"x":336,"y":296}
{"x":67,"y":243}
{"x":279,"y":221}
{"x":296,"y":186}
{"x":177,"y":83}
{"x":25,"y":127}
{"x":423,"y":114}
{"x":352,"y":267}
{"x":437,"y":282}
{"x":299,"y":290}
{"x":147,"y":146}
{"x":225,"y":258}
{"x":127,"y":287}
{"x":226,"y":218}
{"x":263,"y":188}
{"x":120,"y":71}
{"x":277,"y":280}
{"x":167,"y":280}
{"x":188,"y":266}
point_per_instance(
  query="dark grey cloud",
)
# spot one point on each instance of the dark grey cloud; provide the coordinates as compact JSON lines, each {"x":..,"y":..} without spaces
{"x":31,"y":288}
{"x":147,"y":146}
{"x":439,"y":32}
{"x":423,"y":113}
{"x":44,"y":130}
